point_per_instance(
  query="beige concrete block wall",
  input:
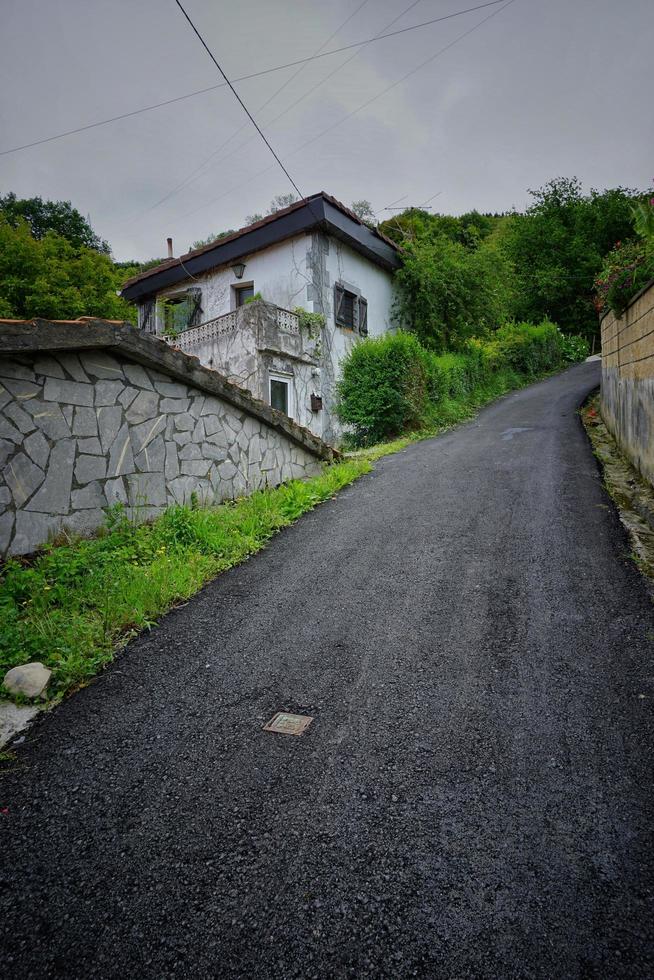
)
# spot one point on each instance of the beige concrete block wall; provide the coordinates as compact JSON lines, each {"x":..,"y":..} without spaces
{"x":627,"y":399}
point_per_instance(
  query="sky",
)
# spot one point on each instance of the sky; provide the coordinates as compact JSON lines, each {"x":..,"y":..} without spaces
{"x":512,"y":95}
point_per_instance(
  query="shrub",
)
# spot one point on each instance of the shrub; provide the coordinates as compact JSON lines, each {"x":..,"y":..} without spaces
{"x":393,"y":384}
{"x":383,"y":389}
{"x":627,"y":268}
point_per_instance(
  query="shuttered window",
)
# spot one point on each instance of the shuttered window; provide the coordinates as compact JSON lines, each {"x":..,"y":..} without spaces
{"x":350,"y":310}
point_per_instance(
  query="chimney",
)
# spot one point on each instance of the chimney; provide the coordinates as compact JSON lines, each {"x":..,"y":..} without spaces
{"x":170,"y":247}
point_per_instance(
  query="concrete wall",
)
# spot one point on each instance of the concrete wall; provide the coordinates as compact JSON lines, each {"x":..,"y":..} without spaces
{"x":627,"y":401}
{"x":91,"y":414}
{"x":300,"y":271}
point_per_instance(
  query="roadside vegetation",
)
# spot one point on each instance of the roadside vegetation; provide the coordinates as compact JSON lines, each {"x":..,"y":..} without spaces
{"x":79,"y":601}
{"x":394,"y":385}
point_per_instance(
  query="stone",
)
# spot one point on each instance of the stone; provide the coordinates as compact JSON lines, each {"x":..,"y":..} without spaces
{"x":6,"y":449}
{"x":146,"y":489}
{"x":171,"y":389}
{"x":5,"y":396}
{"x":54,"y":495}
{"x":99,"y":364}
{"x":174,"y":405}
{"x":32,"y":531}
{"x":86,"y":422}
{"x":70,"y":392}
{"x":121,"y":459}
{"x":29,"y":680}
{"x":198,"y":432}
{"x":227,"y":470}
{"x":85,"y":522}
{"x":190,"y":451}
{"x":68,"y":413}
{"x":6,"y":527}
{"x":9,"y":431}
{"x":109,"y":420}
{"x":153,"y":456}
{"x":182,"y":488}
{"x":181,"y":438}
{"x":10,"y":368}
{"x":195,"y":467}
{"x":21,"y":419}
{"x":72,"y":364}
{"x":14,"y":719}
{"x":23,"y":477}
{"x":145,"y":406}
{"x":48,"y":366}
{"x":23,"y":390}
{"x":211,"y":424}
{"x":197,"y":406}
{"x":5,"y":497}
{"x":212,"y":452}
{"x":114,"y":491}
{"x":49,"y":418}
{"x":88,"y":497}
{"x":171,"y":467}
{"x":91,"y":446}
{"x":89,"y":468}
{"x":136,"y":375}
{"x":143,"y":434}
{"x":127,"y":396}
{"x":107,"y":392}
{"x":184,"y":422}
{"x":38,"y":448}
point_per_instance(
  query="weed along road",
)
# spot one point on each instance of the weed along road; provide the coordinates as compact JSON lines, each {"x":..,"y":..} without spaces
{"x":473,"y":797}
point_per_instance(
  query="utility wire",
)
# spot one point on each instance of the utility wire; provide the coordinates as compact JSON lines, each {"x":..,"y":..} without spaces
{"x":353,"y":112}
{"x":242,"y":78}
{"x":189,"y":178}
{"x":239,"y":99}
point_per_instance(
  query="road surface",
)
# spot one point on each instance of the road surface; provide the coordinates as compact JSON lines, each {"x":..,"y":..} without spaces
{"x":474,"y":796}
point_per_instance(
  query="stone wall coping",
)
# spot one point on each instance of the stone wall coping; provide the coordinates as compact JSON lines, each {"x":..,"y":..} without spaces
{"x":39,"y":336}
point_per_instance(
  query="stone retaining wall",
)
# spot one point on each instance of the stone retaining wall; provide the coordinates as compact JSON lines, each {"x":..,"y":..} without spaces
{"x":94,"y":412}
{"x":627,"y":400}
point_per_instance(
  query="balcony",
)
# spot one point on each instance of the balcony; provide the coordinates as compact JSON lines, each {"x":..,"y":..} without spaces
{"x":269,"y":327}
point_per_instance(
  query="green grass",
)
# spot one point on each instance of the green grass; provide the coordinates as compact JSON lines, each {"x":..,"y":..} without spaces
{"x":77,"y":603}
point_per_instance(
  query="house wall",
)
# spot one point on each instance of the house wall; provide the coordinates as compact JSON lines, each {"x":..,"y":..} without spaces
{"x":83,"y":429}
{"x":300,"y":271}
{"x":627,"y":398}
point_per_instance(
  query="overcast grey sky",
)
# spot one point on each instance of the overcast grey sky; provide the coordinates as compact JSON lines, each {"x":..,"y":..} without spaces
{"x":544,"y":88}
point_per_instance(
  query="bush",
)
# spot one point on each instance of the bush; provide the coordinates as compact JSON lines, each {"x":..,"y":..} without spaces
{"x":627,"y":268}
{"x":393,"y":384}
{"x":383,"y":389}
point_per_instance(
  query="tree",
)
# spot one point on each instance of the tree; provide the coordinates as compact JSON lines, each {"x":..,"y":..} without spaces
{"x":215,"y":237}
{"x":281,"y":201}
{"x":557,"y":247}
{"x":58,"y":216}
{"x":363,"y":210}
{"x":50,"y":277}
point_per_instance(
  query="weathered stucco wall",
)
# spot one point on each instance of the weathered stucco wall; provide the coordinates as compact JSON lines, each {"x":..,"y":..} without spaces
{"x":627,"y":401}
{"x":91,"y":414}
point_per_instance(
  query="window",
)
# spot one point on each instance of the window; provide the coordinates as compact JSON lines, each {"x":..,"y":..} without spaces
{"x":350,"y":310}
{"x":280,"y":394}
{"x":243,"y":293}
{"x":181,"y":311}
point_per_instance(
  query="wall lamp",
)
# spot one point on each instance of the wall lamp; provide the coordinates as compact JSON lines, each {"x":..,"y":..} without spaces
{"x":238,"y":269}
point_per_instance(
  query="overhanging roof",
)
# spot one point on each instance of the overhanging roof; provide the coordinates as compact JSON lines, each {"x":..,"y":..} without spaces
{"x":320,"y":211}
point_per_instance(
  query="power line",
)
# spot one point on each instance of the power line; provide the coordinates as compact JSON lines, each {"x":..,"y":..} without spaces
{"x":240,"y":100}
{"x":188,"y":179}
{"x":353,"y":112}
{"x":242,"y":78}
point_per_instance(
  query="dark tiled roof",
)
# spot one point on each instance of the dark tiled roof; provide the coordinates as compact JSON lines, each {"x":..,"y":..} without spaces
{"x":278,"y":216}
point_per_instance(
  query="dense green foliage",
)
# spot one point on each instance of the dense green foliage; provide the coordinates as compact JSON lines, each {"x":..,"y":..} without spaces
{"x":393,"y":384}
{"x":557,"y":248}
{"x":76,"y":602}
{"x":59,"y":217}
{"x":50,"y":277}
{"x":630,"y":265}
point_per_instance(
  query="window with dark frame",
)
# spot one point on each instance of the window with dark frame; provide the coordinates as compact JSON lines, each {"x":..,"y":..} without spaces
{"x":279,"y":395}
{"x":179,"y":312}
{"x":243,"y":294}
{"x":350,"y":310}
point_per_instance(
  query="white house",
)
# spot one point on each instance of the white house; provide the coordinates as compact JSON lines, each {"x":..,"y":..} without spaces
{"x":232,"y":304}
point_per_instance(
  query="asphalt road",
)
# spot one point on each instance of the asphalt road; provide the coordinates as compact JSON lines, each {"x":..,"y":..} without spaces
{"x":474,"y":797}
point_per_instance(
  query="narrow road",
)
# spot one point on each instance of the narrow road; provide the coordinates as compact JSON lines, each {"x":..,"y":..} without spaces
{"x":474,"y":797}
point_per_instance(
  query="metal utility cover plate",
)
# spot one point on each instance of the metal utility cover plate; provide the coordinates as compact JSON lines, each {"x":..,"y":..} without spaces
{"x":285,"y":724}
